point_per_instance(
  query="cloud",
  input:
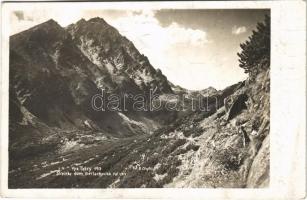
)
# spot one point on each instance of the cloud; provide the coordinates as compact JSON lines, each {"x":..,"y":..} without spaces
{"x":19,"y":15}
{"x":146,"y":30}
{"x":238,"y":30}
{"x":19,"y":22}
{"x":154,"y":40}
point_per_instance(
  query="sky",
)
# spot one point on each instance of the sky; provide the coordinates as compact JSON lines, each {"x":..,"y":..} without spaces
{"x":194,"y":48}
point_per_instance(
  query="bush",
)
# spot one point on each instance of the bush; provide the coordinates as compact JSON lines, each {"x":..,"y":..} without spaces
{"x":230,"y":158}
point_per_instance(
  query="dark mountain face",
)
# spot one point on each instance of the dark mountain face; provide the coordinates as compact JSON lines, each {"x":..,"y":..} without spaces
{"x":52,"y":78}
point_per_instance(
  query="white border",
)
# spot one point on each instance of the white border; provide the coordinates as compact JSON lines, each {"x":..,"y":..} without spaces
{"x":288,"y":106}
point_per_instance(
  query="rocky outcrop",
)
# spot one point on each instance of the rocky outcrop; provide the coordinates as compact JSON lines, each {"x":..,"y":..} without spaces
{"x":259,"y":172}
{"x":236,"y":105}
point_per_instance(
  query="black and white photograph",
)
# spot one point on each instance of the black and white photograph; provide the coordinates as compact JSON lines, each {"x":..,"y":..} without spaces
{"x":144,"y":97}
{"x":139,"y":98}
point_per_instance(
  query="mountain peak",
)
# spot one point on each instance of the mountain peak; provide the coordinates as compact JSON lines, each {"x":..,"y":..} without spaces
{"x":97,"y":19}
{"x":51,"y":21}
{"x":49,"y":25}
{"x":94,"y":25}
{"x":47,"y":31}
{"x":81,"y":21}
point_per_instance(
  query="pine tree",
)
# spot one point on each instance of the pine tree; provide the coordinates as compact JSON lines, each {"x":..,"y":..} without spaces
{"x":255,"y":53}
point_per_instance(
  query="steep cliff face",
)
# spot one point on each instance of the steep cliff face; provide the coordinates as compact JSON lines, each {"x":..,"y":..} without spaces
{"x":105,"y":47}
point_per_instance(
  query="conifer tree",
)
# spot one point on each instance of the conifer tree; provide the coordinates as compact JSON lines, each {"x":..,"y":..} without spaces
{"x":255,"y":53}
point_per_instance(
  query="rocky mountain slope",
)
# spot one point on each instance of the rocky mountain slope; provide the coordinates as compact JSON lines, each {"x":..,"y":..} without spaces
{"x":109,"y":50}
{"x":234,"y":148}
{"x":56,"y":137}
{"x":54,"y":78}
